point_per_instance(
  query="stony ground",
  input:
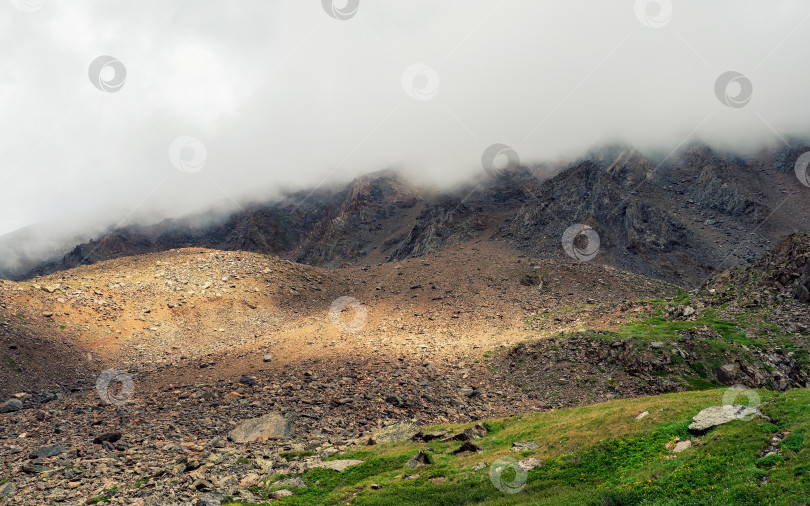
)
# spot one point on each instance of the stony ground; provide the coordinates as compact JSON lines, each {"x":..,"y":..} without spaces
{"x":139,"y":380}
{"x":174,"y":446}
{"x":135,"y":381}
{"x":179,"y":310}
{"x":210,"y":339}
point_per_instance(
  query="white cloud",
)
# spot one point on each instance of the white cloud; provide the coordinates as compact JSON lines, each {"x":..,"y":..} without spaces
{"x":282,"y":94}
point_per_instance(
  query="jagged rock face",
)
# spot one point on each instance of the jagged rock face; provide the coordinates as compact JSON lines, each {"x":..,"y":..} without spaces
{"x":438,"y":227}
{"x":272,"y":229}
{"x":719,"y":184}
{"x":712,"y":191}
{"x":634,"y":234}
{"x":649,"y":230}
{"x":681,"y":219}
{"x":369,"y":209}
{"x":784,"y":159}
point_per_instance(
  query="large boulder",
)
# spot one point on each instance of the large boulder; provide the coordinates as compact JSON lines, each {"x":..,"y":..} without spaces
{"x":8,"y":489}
{"x":48,"y":451}
{"x":269,"y":426}
{"x":718,"y":415}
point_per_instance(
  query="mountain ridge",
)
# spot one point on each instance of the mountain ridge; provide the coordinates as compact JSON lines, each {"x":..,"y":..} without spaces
{"x":681,"y":219}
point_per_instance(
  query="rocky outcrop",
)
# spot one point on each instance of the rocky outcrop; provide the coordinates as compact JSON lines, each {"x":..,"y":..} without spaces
{"x":370,"y":209}
{"x":784,"y":271}
{"x":589,"y":364}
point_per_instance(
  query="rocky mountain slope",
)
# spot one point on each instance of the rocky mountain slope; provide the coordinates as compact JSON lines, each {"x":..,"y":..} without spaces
{"x":179,"y":308}
{"x":746,"y":326}
{"x":126,"y":379}
{"x":208,"y":338}
{"x":189,"y":375}
{"x":782,"y":272}
{"x":681,"y":218}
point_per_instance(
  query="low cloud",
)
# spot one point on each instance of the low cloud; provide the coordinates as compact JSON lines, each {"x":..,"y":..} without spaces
{"x":283,"y":95}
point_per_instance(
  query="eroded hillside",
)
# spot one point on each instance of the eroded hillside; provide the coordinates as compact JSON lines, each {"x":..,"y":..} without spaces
{"x":185,"y":308}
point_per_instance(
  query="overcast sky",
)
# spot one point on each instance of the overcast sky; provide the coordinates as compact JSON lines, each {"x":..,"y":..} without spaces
{"x":285,"y":94}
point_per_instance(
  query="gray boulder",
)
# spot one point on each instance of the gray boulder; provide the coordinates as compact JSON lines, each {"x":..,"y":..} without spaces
{"x":718,"y":415}
{"x":47,"y":451}
{"x":727,"y":374}
{"x":210,"y":500}
{"x":528,"y":464}
{"x":421,"y":459}
{"x":8,"y":489}
{"x":292,"y":482}
{"x":524,"y":445}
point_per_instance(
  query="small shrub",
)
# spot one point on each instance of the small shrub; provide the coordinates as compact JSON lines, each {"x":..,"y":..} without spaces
{"x":494,"y":426}
{"x":769,"y":461}
{"x":802,"y":470}
{"x":767,"y":428}
{"x":793,"y":442}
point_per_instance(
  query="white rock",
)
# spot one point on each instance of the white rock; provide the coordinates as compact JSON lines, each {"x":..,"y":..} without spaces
{"x":681,"y":446}
{"x":528,"y":464}
{"x":718,"y":415}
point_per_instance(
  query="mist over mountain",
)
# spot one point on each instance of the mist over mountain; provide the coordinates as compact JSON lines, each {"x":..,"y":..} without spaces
{"x":189,"y":104}
{"x":681,"y":219}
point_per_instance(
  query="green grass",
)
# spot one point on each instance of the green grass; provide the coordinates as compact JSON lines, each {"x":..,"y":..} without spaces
{"x":749,"y":328}
{"x":658,"y":328}
{"x":770,"y":461}
{"x":596,"y":454}
{"x":793,"y":442}
{"x":681,"y":298}
{"x":139,"y":483}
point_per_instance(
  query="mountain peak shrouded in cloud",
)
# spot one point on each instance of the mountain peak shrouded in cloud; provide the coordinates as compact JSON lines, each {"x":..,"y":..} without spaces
{"x":677,"y":217}
{"x":192,"y":103}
